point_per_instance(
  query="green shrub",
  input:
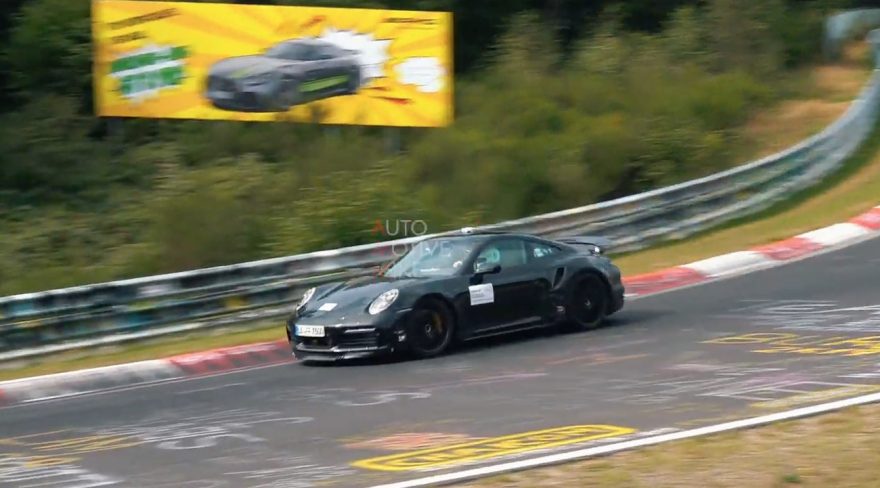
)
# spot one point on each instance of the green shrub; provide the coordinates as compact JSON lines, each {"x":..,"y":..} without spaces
{"x":208,"y":216}
{"x":47,"y":159}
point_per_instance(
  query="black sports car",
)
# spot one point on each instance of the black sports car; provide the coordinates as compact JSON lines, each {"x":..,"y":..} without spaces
{"x":289,"y":73}
{"x":459,"y":287}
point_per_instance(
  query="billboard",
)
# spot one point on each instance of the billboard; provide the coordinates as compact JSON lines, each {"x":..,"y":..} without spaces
{"x":217,"y":61}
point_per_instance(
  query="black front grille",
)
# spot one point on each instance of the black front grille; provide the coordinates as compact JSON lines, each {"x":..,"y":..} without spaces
{"x":315,"y":341}
{"x":337,"y":337}
{"x":359,"y":339}
{"x":221,"y":84}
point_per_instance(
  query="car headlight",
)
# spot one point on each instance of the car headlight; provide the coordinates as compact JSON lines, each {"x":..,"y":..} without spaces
{"x":383,"y":301}
{"x":306,"y":297}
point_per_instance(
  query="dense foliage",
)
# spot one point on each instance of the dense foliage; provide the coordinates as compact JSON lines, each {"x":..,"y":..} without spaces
{"x":556,"y":106}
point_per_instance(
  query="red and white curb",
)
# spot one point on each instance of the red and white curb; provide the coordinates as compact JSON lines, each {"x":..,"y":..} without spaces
{"x":808,"y":244}
{"x":248,"y":356}
{"x":107,"y":378}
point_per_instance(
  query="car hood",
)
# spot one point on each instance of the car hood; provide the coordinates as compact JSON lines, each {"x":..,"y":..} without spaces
{"x":352,"y":296}
{"x":245,"y":66}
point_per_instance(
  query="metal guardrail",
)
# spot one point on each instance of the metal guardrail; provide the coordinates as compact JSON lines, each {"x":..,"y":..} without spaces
{"x":109,"y":313}
{"x":843,"y":26}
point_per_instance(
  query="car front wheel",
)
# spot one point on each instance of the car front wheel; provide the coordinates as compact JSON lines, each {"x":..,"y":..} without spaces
{"x":587,"y":303}
{"x":429,"y":329}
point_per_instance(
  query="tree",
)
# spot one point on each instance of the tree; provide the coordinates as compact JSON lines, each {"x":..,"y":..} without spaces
{"x":49,"y":50}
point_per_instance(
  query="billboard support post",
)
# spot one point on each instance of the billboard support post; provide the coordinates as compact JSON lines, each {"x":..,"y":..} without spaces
{"x":392,"y":140}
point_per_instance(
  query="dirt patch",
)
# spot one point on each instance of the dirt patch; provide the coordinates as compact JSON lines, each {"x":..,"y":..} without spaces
{"x":790,"y":122}
{"x":847,"y":77}
{"x":828,"y":90}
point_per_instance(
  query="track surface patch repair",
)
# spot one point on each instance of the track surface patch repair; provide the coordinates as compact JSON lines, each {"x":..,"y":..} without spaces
{"x":768,"y":341}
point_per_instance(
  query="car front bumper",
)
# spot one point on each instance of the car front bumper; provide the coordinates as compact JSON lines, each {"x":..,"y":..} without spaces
{"x":229,"y":94}
{"x":243,"y":101}
{"x":350,"y":341}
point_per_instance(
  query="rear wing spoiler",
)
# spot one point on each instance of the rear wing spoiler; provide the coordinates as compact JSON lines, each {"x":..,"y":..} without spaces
{"x":601,"y":244}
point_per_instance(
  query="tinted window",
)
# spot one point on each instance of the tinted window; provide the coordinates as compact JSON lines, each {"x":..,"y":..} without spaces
{"x":433,"y":257}
{"x":539,"y":250}
{"x":509,"y":253}
{"x":327,"y":52}
{"x":292,"y":51}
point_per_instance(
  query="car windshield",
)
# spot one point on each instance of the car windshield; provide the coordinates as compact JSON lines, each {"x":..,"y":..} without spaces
{"x":433,"y":257}
{"x":289,"y":50}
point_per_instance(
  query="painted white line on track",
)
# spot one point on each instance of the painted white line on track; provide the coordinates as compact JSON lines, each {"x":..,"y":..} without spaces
{"x":580,"y":454}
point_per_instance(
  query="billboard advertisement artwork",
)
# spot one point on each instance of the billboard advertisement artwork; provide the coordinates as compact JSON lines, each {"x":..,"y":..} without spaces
{"x":215,"y":61}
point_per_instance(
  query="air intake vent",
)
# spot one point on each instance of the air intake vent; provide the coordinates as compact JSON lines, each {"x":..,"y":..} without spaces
{"x":560,"y":272}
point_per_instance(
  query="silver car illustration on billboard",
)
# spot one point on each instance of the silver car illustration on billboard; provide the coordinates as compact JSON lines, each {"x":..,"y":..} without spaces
{"x":289,"y":73}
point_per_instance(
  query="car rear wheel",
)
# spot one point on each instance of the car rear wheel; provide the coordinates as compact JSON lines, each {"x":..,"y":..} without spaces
{"x":429,"y":329}
{"x":587,"y":303}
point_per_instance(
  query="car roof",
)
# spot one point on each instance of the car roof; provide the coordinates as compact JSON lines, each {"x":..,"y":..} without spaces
{"x":308,"y":41}
{"x":487,"y":234}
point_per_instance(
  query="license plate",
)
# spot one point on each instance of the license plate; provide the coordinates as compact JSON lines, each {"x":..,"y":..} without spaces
{"x":310,"y":330}
{"x":223,"y":95}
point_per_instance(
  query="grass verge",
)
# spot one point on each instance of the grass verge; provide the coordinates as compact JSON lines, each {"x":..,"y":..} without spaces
{"x":825,"y":93}
{"x":836,"y":449}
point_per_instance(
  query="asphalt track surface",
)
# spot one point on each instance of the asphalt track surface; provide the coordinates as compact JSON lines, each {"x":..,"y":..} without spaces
{"x":786,"y":337}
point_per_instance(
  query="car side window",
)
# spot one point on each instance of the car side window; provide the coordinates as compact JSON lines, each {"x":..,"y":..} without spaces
{"x":509,"y":253}
{"x":539,"y":250}
{"x":322,"y":53}
{"x":297,"y":52}
{"x":312,"y":54}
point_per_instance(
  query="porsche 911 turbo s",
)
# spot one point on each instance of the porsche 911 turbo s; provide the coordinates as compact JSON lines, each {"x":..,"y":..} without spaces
{"x":458,"y":287}
{"x":289,"y":73}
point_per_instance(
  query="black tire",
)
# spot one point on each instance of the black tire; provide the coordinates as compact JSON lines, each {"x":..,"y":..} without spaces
{"x":587,"y":303}
{"x":430,"y":329}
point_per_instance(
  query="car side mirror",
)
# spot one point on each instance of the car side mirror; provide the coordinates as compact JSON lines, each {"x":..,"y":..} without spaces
{"x":483,"y":268}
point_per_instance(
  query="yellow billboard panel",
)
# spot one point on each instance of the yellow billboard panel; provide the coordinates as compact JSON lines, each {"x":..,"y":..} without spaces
{"x":219,"y":61}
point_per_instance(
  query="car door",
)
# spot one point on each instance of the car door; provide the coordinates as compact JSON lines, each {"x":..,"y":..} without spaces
{"x":336,"y":67}
{"x":325,"y":69}
{"x":544,"y":261}
{"x":516,"y":290}
{"x":309,"y":69}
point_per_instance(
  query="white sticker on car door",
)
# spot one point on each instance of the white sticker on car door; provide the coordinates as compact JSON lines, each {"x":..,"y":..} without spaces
{"x":481,"y":294}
